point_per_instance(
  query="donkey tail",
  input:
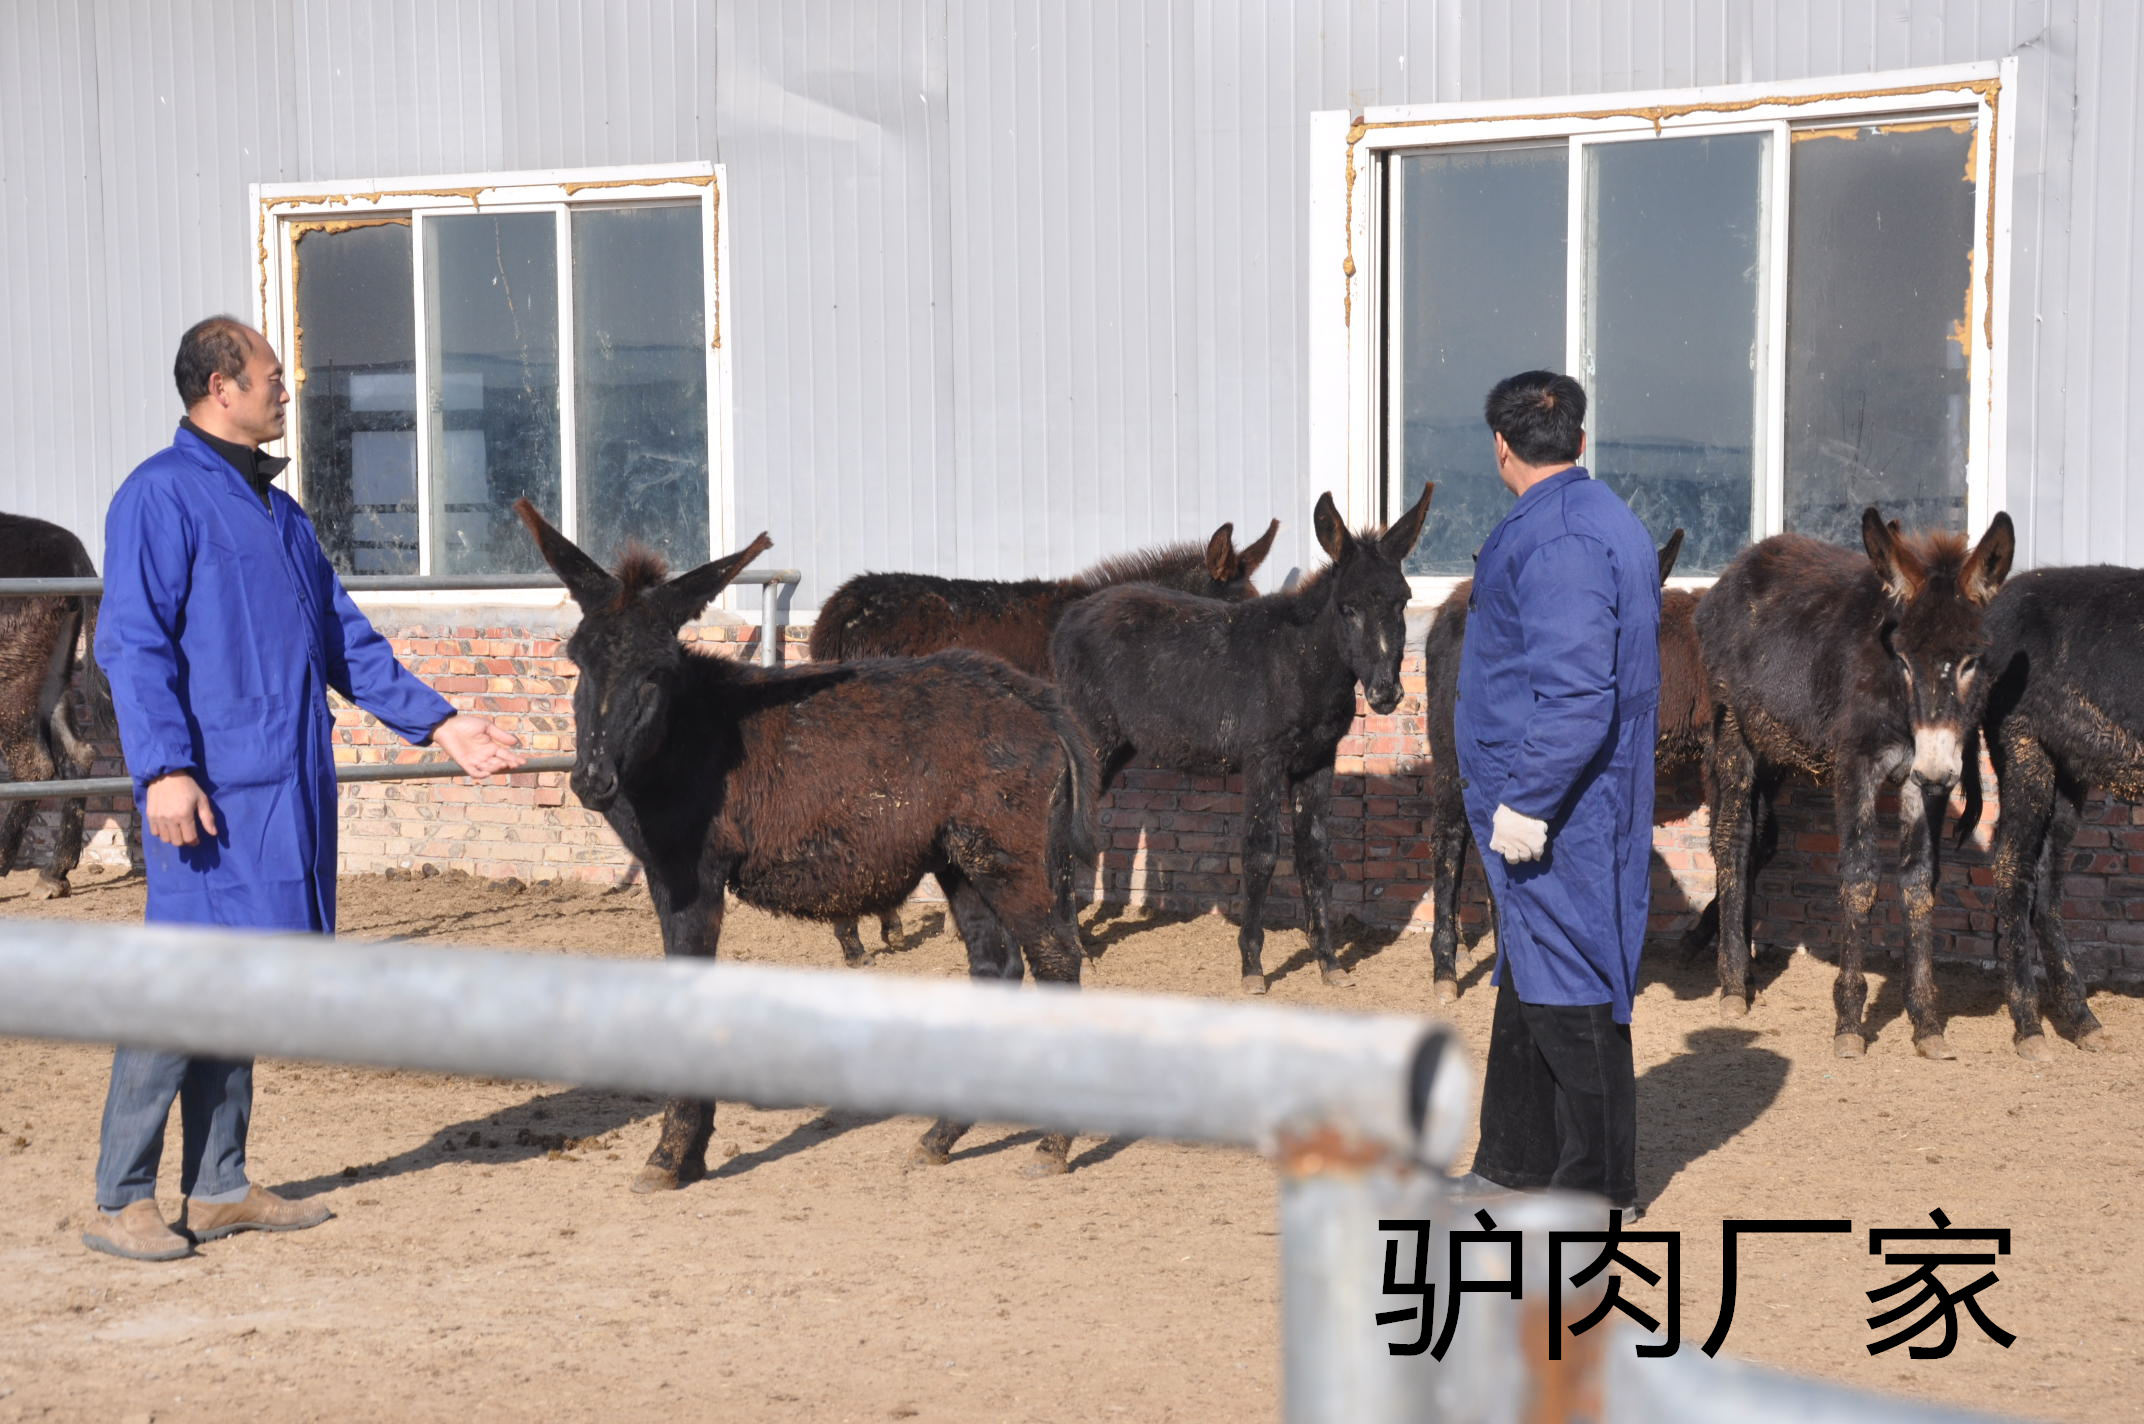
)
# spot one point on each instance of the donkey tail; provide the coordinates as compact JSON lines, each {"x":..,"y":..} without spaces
{"x":1078,"y":790}
{"x":1969,"y":788}
{"x":96,"y":687}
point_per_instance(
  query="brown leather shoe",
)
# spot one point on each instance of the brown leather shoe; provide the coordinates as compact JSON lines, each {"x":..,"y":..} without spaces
{"x":262,"y":1210}
{"x":137,"y":1232}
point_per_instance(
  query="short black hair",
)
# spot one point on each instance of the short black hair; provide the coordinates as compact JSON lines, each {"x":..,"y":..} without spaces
{"x":1541,"y":415}
{"x":214,"y":345}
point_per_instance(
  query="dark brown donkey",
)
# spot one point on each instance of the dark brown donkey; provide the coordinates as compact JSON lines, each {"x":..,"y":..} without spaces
{"x":1862,"y":670}
{"x":1266,"y":688}
{"x":1685,"y":726}
{"x":2065,"y":715}
{"x":37,"y":662}
{"x":821,"y":792}
{"x":908,"y":615}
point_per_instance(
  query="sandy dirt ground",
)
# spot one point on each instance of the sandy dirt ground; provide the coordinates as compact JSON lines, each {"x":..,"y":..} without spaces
{"x":488,"y":1262}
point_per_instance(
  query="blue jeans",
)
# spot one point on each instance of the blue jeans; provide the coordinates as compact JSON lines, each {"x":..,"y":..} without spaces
{"x":215,"y":1105}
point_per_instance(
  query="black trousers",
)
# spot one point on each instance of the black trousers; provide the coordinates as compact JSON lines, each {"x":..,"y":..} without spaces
{"x":1559,"y":1103}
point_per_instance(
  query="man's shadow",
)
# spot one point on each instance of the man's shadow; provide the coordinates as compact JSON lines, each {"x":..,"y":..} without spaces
{"x":1701,"y":1099}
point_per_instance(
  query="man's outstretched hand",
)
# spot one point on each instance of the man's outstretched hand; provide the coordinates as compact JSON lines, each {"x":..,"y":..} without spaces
{"x":480,"y":745}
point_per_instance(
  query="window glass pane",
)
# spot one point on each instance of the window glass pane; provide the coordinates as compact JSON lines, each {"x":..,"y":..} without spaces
{"x":1879,"y":278}
{"x":1674,"y":256}
{"x":640,"y":381}
{"x":355,"y":363}
{"x":491,"y":295}
{"x":1475,"y":294}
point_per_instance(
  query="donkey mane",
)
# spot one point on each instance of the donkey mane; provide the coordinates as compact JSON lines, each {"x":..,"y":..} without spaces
{"x":639,"y":569}
{"x":1144,"y":566}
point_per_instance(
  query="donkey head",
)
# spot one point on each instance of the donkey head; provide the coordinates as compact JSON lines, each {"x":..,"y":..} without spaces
{"x":1226,"y":572}
{"x":1369,"y":595}
{"x":627,"y":651}
{"x":1939,"y":593}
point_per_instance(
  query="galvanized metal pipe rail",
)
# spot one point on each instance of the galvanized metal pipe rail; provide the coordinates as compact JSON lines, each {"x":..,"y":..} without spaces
{"x":769,"y":580}
{"x":1098,"y":1061}
{"x":345,"y":772}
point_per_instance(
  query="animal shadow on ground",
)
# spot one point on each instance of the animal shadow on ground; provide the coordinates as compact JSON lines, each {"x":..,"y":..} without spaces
{"x":827,"y":1126}
{"x":1353,"y":942}
{"x":550,"y":1122}
{"x":1697,"y":1101}
{"x":1966,"y":991}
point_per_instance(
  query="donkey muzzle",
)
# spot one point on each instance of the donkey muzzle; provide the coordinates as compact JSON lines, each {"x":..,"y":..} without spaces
{"x":1382,"y":699}
{"x":1938,"y":756}
{"x":594,"y":789}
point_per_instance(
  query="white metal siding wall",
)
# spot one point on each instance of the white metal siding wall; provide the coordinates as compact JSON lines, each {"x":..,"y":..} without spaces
{"x":1016,"y":284}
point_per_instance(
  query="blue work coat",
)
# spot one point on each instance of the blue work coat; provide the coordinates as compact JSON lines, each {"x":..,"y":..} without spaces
{"x":222,"y":628}
{"x":1559,"y":693}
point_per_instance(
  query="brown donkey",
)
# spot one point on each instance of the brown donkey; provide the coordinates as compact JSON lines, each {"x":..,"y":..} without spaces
{"x":824,"y":792}
{"x":37,"y":662}
{"x":1862,"y":670}
{"x":909,"y":615}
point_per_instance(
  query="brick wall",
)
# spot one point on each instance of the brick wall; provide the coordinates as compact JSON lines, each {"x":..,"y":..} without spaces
{"x":1173,"y":842}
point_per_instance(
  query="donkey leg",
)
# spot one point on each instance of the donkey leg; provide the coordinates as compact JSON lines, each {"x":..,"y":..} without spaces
{"x":1054,"y":954}
{"x":1734,"y":769}
{"x":1920,"y":812}
{"x":1855,"y":803}
{"x":68,"y":762}
{"x":689,"y":905}
{"x":1448,"y":841}
{"x":2069,"y":1011}
{"x":1309,"y":800}
{"x":1261,"y":852}
{"x":2023,"y":854}
{"x":853,"y":952}
{"x":992,"y":955}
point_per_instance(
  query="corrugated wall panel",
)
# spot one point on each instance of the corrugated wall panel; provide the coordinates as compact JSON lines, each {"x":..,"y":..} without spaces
{"x":833,"y":134}
{"x":52,"y":234}
{"x":1015,"y":284}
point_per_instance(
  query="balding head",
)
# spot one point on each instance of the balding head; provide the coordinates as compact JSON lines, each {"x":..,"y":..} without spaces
{"x":231,"y":381}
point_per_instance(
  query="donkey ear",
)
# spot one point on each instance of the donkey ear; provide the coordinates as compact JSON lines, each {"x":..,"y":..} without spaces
{"x":1989,"y":565}
{"x":1222,"y":563}
{"x":1669,"y":553}
{"x":1255,"y":554}
{"x":584,"y":578}
{"x":681,"y":600}
{"x":1896,"y":564}
{"x":1333,"y":537}
{"x":1399,"y":541}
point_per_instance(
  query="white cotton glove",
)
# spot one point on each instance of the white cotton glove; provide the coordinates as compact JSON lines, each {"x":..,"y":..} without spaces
{"x":1517,"y":838}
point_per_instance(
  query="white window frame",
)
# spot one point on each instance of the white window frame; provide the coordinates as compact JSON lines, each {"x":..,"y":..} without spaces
{"x":1348,"y":284}
{"x":282,"y":212}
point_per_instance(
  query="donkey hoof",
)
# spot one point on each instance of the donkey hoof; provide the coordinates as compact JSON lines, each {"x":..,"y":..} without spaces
{"x":2094,"y":1040}
{"x":1337,"y":977}
{"x":858,"y":961}
{"x":1447,"y":991}
{"x":1254,"y":983}
{"x":926,"y":1155}
{"x":1733,"y":1006}
{"x":654,"y":1179}
{"x":1046,"y":1166}
{"x":49,"y":890}
{"x":2034,"y":1049}
{"x":1934,"y":1047}
{"x":1848,"y":1045}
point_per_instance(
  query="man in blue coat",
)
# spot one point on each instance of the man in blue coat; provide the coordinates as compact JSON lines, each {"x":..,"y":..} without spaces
{"x":1559,"y":683}
{"x":222,"y":629}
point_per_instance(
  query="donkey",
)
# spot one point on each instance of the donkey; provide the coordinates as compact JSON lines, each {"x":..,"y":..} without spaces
{"x":2064,"y":714}
{"x":1685,"y":725}
{"x":1266,"y":688}
{"x":38,"y":739}
{"x":1865,"y":672}
{"x":820,"y":792}
{"x":908,"y":615}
